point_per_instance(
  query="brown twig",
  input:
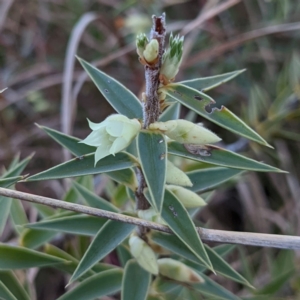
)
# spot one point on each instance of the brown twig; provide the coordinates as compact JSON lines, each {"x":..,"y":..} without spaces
{"x":221,"y":236}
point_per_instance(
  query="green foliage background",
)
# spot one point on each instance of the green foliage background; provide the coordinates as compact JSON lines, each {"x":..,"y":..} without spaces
{"x":257,"y":35}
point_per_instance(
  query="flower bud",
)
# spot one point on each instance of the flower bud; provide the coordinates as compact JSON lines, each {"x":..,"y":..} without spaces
{"x":188,"y":198}
{"x":151,"y":215}
{"x":178,"y":271}
{"x":176,"y":176}
{"x":186,"y":132}
{"x":171,"y":59}
{"x":144,"y":255}
{"x":112,"y":135}
{"x":151,"y":52}
{"x":141,"y":43}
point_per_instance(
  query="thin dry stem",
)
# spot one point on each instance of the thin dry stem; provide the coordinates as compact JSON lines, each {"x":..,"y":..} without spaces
{"x":221,"y":236}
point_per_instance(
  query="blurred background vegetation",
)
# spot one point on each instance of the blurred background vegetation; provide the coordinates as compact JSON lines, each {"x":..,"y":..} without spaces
{"x":46,"y":85}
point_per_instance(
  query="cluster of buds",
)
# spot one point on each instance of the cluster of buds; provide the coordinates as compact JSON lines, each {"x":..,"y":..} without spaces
{"x":171,"y":59}
{"x":167,"y":267}
{"x":147,"y":51}
{"x":112,"y":135}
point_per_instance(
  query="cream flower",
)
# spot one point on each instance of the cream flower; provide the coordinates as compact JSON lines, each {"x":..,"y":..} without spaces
{"x":186,"y":132}
{"x":112,"y":135}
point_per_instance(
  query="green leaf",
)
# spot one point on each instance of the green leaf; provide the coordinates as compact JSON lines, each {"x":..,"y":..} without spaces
{"x":33,"y":239}
{"x":178,"y":219}
{"x":119,"y":97}
{"x":126,"y":177}
{"x":17,"y":214}
{"x":6,"y":182}
{"x":5,"y":293}
{"x":92,"y":199}
{"x":221,"y":157}
{"x":102,"y":284}
{"x":199,"y":101}
{"x":79,"y":224}
{"x":85,"y":166}
{"x":124,"y":254}
{"x":21,"y":258}
{"x":172,"y":243}
{"x":171,"y":113}
{"x":152,"y":150}
{"x":12,"y":283}
{"x":207,"y":179}
{"x":207,"y":83}
{"x":107,"y":239}
{"x":18,"y":168}
{"x":136,"y":282}
{"x":5,"y":204}
{"x":213,"y":290}
{"x":69,"y":142}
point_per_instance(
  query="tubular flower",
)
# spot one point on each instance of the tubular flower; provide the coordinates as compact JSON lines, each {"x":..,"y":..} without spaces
{"x":171,"y":59}
{"x":188,"y":198}
{"x":178,"y":271}
{"x":176,"y":176}
{"x":151,"y":52}
{"x":112,"y":135}
{"x":144,"y":255}
{"x":186,"y":132}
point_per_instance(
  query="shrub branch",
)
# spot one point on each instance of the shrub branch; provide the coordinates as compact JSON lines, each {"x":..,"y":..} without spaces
{"x":221,"y":236}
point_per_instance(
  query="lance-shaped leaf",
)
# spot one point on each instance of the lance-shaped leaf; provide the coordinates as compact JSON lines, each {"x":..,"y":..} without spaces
{"x":152,"y":151}
{"x":126,"y":177}
{"x":31,"y":238}
{"x":6,"y":182}
{"x":178,"y":219}
{"x":171,"y":113}
{"x":12,"y":257}
{"x":174,"y":244}
{"x":119,"y":97}
{"x":107,"y":239}
{"x":213,"y":290}
{"x":136,"y":282}
{"x":220,"y":157}
{"x":206,"y":179}
{"x":200,"y":102}
{"x":92,"y":199}
{"x":69,"y":142}
{"x":18,"y":168}
{"x":96,"y":286}
{"x":207,"y":83}
{"x":5,"y":293}
{"x":83,"y":225}
{"x":5,"y":205}
{"x":11,"y":282}
{"x":84,"y":165}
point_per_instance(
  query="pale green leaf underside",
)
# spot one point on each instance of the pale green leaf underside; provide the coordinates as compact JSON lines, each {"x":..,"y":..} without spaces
{"x":84,"y":165}
{"x":79,"y":224}
{"x":175,"y":245}
{"x":206,"y":179}
{"x":102,"y":284}
{"x":221,"y":157}
{"x":199,"y":101}
{"x":178,"y":219}
{"x":120,"y":98}
{"x":136,"y":282}
{"x":107,"y":239}
{"x":207,"y":83}
{"x":12,"y":257}
{"x":152,"y":151}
